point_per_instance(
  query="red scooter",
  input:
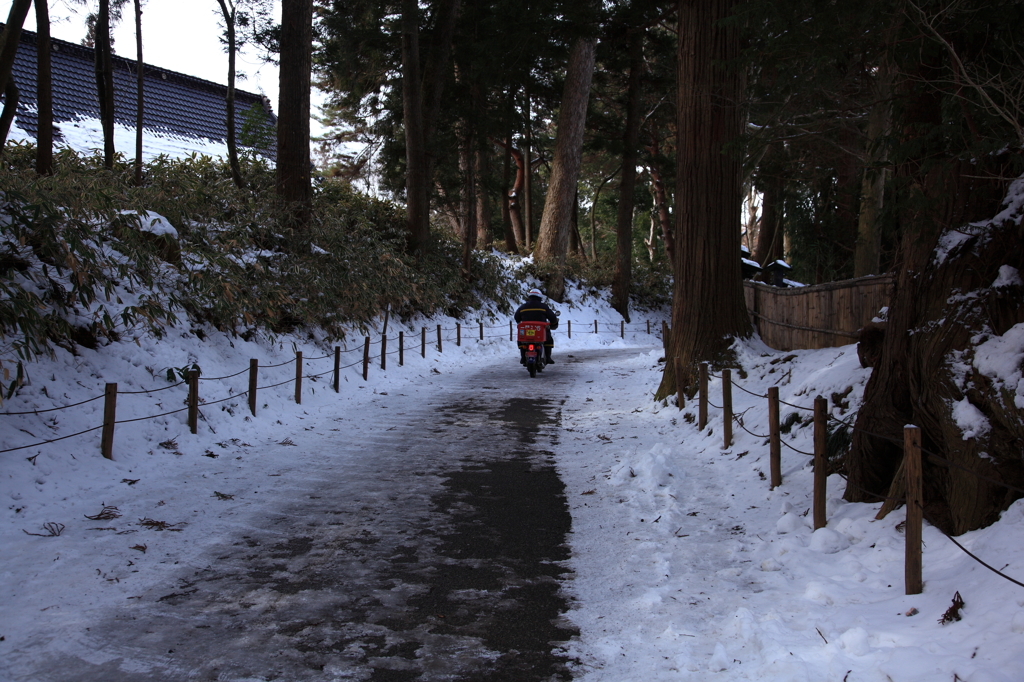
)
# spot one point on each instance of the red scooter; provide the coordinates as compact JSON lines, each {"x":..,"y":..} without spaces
{"x":531,"y":345}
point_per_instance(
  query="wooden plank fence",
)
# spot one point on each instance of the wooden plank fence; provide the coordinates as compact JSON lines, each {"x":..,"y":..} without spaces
{"x":819,"y":316}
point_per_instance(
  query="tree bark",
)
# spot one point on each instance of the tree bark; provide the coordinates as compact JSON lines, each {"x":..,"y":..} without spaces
{"x":9,"y":48}
{"x":527,"y":210}
{"x":416,"y":191}
{"x":708,"y":308}
{"x":769,"y":238}
{"x":44,"y":91}
{"x":912,"y":381}
{"x":483,"y":199}
{"x":661,"y":201}
{"x":867,"y":253}
{"x":105,"y":82}
{"x":140,"y":93}
{"x":553,"y":240}
{"x":627,"y":184}
{"x":469,"y":198}
{"x":506,"y":200}
{"x":229,"y":11}
{"x":293,"y":158}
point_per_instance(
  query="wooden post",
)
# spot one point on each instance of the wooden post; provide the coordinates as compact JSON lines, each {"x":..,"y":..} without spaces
{"x":109,"y":417}
{"x":648,"y":327}
{"x":298,"y":377}
{"x":458,"y":333}
{"x":423,"y":342}
{"x":774,"y":437}
{"x":254,"y":369}
{"x":383,"y":352}
{"x":337,"y":369}
{"x":510,"y":334}
{"x":401,"y":349}
{"x":481,"y":330}
{"x":820,"y":465}
{"x":193,"y":401}
{"x":702,"y":408}
{"x":366,"y":359}
{"x":622,"y":329}
{"x":726,"y":408}
{"x":664,"y":336}
{"x":680,"y":397}
{"x":912,"y":470}
{"x":569,"y":327}
{"x":440,"y":349}
{"x":595,"y":326}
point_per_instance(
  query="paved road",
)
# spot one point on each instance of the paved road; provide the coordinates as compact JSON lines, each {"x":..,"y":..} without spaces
{"x":437,"y":554}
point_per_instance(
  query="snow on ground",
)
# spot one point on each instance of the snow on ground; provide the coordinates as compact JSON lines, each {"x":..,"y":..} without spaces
{"x":687,"y":567}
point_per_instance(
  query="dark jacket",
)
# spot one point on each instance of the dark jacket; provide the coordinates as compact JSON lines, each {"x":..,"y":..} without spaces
{"x":535,"y":310}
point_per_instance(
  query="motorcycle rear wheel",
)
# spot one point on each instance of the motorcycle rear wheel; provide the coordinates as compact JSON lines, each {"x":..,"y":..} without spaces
{"x":533,"y":369}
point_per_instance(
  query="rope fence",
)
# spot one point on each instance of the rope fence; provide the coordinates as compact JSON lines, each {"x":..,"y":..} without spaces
{"x":192,"y":380}
{"x":912,"y":464}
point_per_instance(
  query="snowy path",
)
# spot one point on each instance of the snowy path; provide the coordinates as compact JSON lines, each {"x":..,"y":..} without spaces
{"x":427,"y":543}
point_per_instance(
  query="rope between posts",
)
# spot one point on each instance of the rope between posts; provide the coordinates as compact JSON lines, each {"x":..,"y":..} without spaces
{"x":739,"y":421}
{"x":319,"y":357}
{"x":317,"y":376}
{"x":799,"y":407}
{"x":756,"y":395}
{"x":54,"y":440}
{"x":968,"y":553}
{"x":155,"y":416}
{"x":149,"y":390}
{"x":50,"y":409}
{"x":260,"y":388}
{"x":224,"y":400}
{"x":783,"y":441}
{"x":280,"y":364}
{"x":229,"y":376}
{"x":897,"y":500}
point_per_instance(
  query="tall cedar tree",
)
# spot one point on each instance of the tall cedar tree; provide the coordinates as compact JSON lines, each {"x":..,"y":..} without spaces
{"x":708,"y":308}
{"x":229,"y":12}
{"x":11,"y":37}
{"x":627,"y":184}
{"x":44,"y":91}
{"x":140,"y":96}
{"x":560,"y":203}
{"x":105,"y":81}
{"x":293,"y":159}
{"x":951,"y":159}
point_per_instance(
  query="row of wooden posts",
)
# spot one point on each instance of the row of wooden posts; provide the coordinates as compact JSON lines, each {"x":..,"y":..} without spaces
{"x":911,"y":457}
{"x":192,"y":380}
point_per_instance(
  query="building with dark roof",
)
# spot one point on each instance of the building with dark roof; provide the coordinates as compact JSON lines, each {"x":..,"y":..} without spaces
{"x":181,"y":114}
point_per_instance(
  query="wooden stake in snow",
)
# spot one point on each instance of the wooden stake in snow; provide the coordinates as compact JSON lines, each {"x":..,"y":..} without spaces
{"x":298,"y":377}
{"x":193,"y":401}
{"x":366,"y":359}
{"x":912,"y":469}
{"x":774,"y":437}
{"x":109,"y":417}
{"x":254,"y":368}
{"x":820,"y":463}
{"x":702,"y":409}
{"x":337,"y":369}
{"x":726,"y":408}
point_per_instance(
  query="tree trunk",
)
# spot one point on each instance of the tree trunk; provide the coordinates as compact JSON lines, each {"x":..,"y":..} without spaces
{"x":105,"y":82}
{"x":708,"y":308}
{"x":627,"y":184}
{"x":913,"y":381}
{"x":515,"y":204}
{"x":11,"y":98}
{"x":661,"y":201}
{"x":527,"y":177}
{"x":139,"y":92}
{"x":44,"y":91}
{"x":11,"y":37}
{"x":483,"y":199}
{"x":416,"y":190}
{"x":293,"y":159}
{"x":228,"y":11}
{"x":769,"y":238}
{"x":867,"y":254}
{"x":506,"y":200}
{"x":553,"y":240}
{"x":469,"y":198}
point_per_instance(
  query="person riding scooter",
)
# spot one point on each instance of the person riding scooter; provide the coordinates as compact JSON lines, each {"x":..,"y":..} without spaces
{"x":535,"y":310}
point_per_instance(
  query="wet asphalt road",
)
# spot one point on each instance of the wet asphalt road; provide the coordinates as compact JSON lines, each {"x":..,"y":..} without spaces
{"x":437,"y":554}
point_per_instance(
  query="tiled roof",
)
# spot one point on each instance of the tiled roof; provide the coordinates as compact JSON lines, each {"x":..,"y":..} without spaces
{"x":175,"y":105}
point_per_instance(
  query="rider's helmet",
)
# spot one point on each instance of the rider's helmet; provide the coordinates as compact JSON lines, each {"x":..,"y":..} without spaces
{"x":534,"y":293}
